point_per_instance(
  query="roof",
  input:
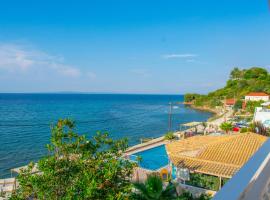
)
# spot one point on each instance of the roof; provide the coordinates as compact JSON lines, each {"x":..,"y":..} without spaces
{"x":230,"y":101}
{"x":190,"y":124}
{"x":215,"y":155}
{"x":257,"y":94}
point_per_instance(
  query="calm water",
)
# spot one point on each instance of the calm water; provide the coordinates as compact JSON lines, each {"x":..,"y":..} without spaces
{"x":25,"y":120}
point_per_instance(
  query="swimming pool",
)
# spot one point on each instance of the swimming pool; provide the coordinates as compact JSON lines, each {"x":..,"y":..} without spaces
{"x":152,"y":159}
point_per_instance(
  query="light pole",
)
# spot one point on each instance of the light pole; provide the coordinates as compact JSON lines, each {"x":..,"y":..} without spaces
{"x":170,"y":117}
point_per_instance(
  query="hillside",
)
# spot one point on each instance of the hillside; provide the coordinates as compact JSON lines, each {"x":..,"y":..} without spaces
{"x":240,"y":82}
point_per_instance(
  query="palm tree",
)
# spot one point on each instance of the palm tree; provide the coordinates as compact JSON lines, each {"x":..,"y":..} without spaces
{"x":226,"y":126}
{"x":152,"y":189}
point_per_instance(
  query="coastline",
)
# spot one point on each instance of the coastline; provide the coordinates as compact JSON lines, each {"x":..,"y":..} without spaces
{"x":205,"y":108}
{"x":215,"y":112}
{"x":161,"y":140}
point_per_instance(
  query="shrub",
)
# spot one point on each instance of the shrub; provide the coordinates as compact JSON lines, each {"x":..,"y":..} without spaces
{"x":169,"y":136}
{"x":243,"y":130}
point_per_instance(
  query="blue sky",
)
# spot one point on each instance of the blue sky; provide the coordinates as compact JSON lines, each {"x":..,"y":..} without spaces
{"x":135,"y":46}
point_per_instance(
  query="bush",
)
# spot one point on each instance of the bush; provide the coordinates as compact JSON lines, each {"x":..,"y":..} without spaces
{"x":243,"y":130}
{"x":251,"y":105}
{"x":204,"y":181}
{"x":238,"y":105}
{"x":169,"y":136}
{"x":188,"y":196}
{"x":189,"y":97}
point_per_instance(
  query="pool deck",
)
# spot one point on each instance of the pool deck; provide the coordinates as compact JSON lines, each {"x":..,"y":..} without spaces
{"x":148,"y":145}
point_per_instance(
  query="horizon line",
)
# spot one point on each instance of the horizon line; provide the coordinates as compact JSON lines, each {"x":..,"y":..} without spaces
{"x":112,"y":93}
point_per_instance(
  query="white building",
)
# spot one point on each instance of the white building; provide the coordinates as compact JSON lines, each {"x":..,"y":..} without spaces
{"x":262,"y":115}
{"x":257,"y":96}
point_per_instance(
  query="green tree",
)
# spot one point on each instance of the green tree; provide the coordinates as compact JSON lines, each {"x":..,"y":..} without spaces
{"x":152,"y":189}
{"x":190,"y":97}
{"x":251,"y":105}
{"x":241,"y":82}
{"x":236,"y":73}
{"x":226,"y":126}
{"x":255,"y":73}
{"x":238,"y":105}
{"x":77,"y":168}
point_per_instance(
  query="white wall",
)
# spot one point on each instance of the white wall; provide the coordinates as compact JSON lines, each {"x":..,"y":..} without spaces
{"x":257,"y":98}
{"x":261,"y":114}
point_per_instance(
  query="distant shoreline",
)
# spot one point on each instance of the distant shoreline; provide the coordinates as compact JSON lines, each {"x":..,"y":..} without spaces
{"x":91,"y":93}
{"x":204,"y":109}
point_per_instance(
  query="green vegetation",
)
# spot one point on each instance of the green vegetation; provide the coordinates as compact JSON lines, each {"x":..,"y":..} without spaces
{"x":251,"y":105}
{"x":239,"y":84}
{"x":205,"y":181}
{"x":189,"y":196}
{"x":226,"y":126}
{"x":152,"y":189}
{"x":169,"y":136}
{"x":238,"y":105}
{"x":244,"y":130}
{"x":77,"y":168}
{"x":259,"y":128}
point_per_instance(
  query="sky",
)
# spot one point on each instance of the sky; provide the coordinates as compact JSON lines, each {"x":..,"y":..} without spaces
{"x":134,"y":46}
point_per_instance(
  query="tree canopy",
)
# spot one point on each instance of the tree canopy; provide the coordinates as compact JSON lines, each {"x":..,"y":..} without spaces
{"x":240,"y":83}
{"x":78,"y":168}
{"x":226,"y":126}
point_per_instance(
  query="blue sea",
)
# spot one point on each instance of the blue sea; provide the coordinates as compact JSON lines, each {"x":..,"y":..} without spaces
{"x":25,"y":120}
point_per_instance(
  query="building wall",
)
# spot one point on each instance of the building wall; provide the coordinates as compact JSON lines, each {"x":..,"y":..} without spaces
{"x":261,"y":114}
{"x":257,"y":98}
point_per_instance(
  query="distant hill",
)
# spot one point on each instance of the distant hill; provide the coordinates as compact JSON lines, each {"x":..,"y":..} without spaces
{"x":240,"y":83}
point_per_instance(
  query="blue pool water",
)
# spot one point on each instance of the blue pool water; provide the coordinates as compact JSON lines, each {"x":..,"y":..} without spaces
{"x":152,"y":159}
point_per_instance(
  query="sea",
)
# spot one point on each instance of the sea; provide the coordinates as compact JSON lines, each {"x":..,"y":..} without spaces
{"x":26,"y":120}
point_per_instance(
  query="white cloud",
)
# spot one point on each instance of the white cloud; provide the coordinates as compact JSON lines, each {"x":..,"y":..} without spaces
{"x":12,"y":57}
{"x":186,"y":55}
{"x":16,"y":57}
